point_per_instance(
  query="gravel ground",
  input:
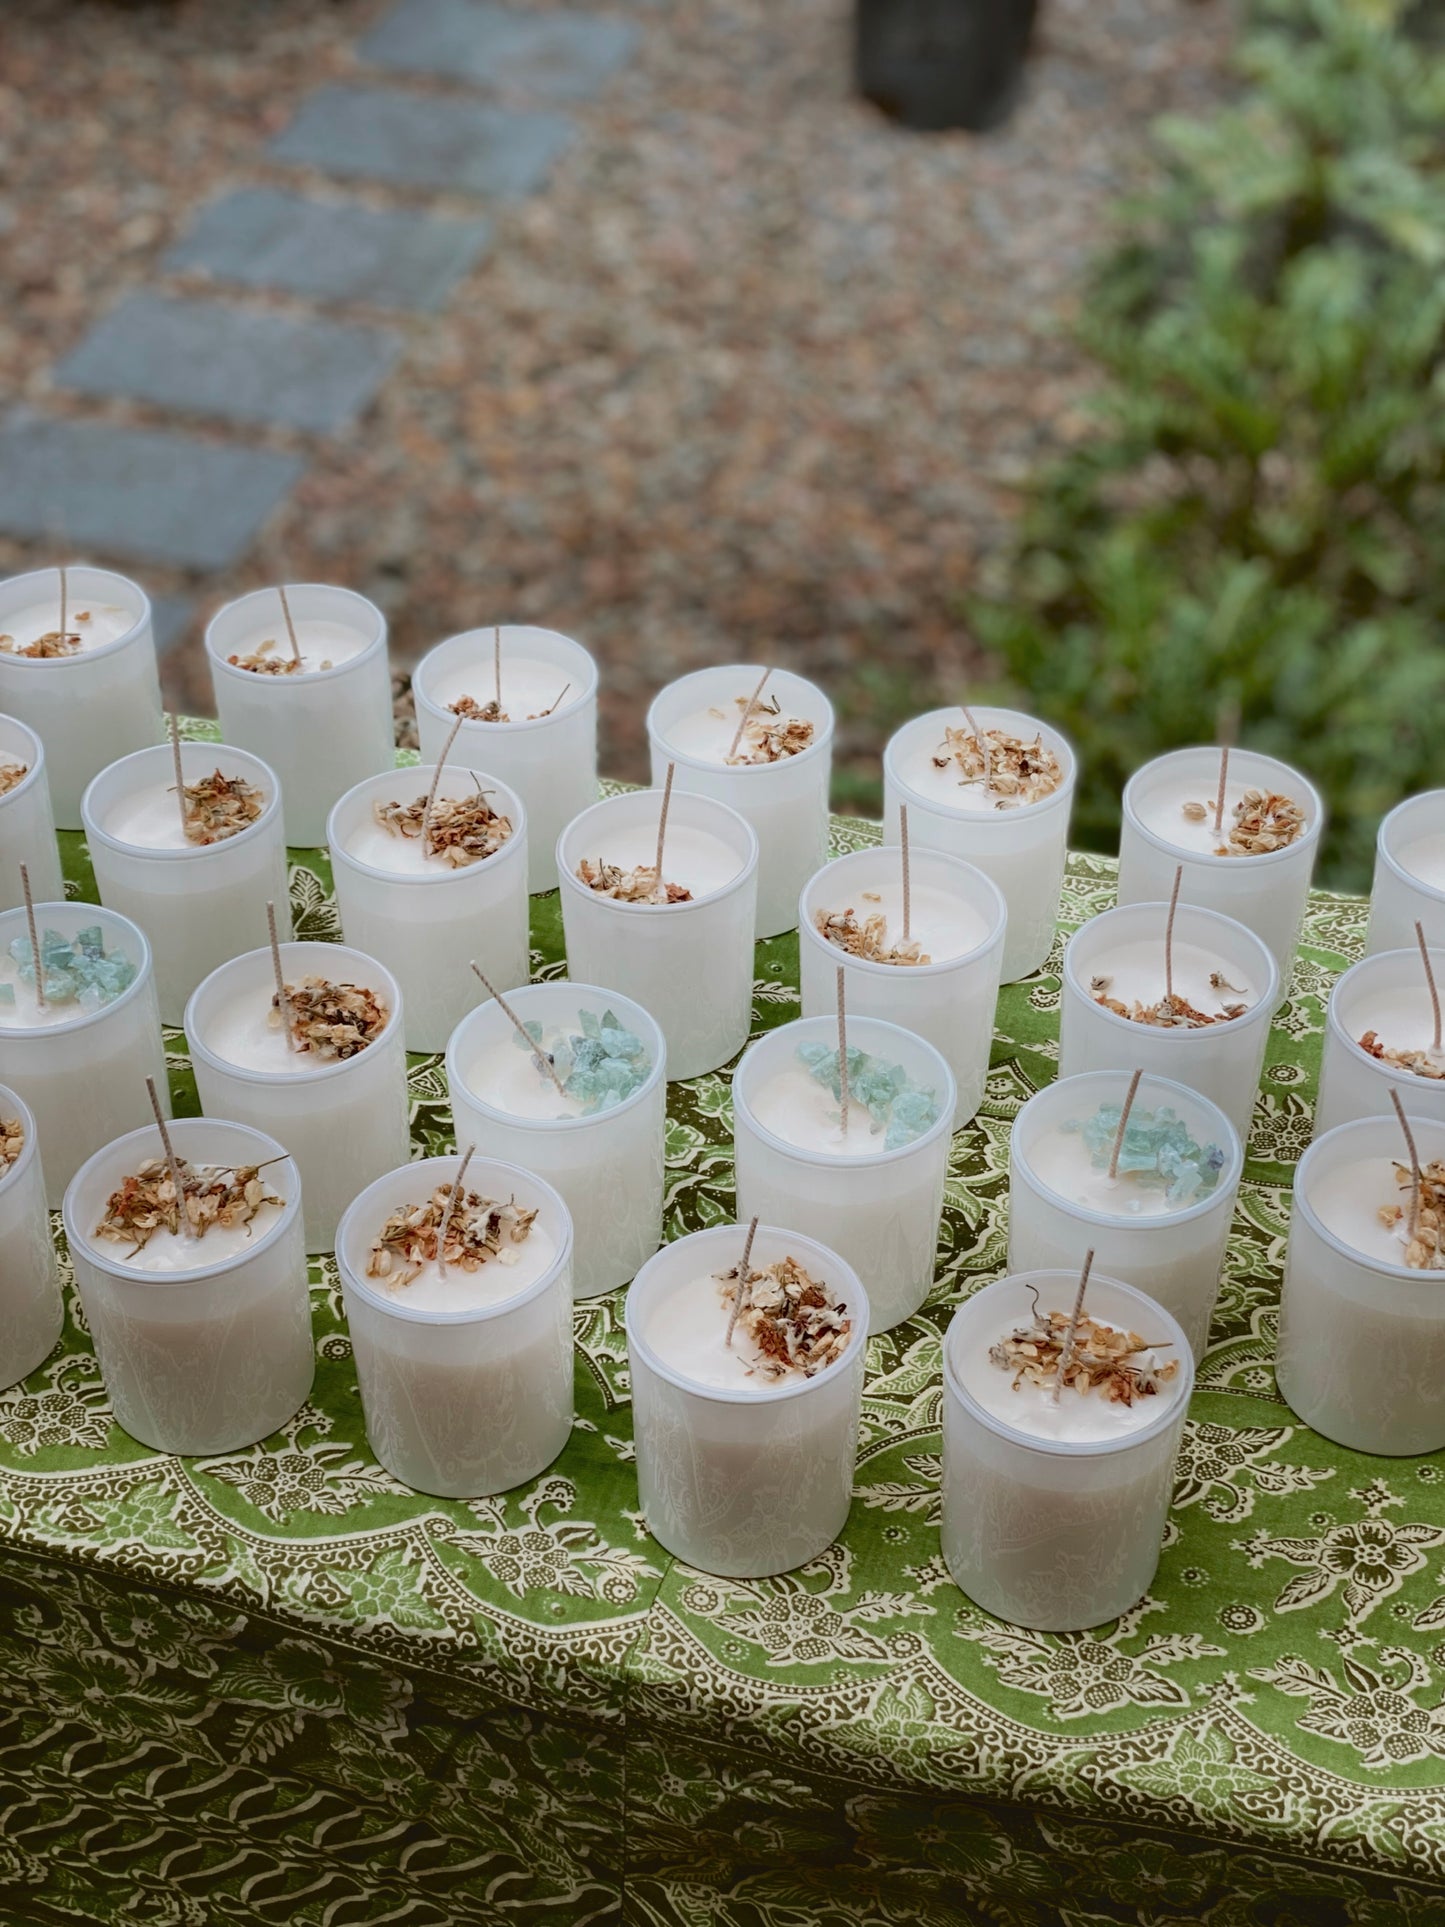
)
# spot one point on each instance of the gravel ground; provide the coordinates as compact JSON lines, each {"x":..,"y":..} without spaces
{"x":758,"y":374}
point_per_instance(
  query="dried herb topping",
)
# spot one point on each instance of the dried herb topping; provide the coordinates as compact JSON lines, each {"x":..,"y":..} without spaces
{"x":768,"y":736}
{"x":463,"y":829}
{"x":12,"y":1142}
{"x":1423,"y":1251}
{"x":1014,"y":771}
{"x":639,"y":885}
{"x":868,"y":939}
{"x":331,"y":1020}
{"x":1423,"y":1062}
{"x":478,"y":1230}
{"x":1120,"y":1363}
{"x":796,"y":1324}
{"x":215,"y":1194}
{"x":219,"y":806}
{"x":1263,"y":821}
{"x":12,"y":775}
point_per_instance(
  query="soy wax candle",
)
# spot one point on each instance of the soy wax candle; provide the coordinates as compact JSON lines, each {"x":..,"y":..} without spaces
{"x":456,"y":1276}
{"x":318,"y":712}
{"x":746,"y":1425}
{"x":203,"y":1335}
{"x":1252,"y":862}
{"x":79,"y":1059}
{"x":78,"y":666}
{"x":1409,"y":885}
{"x":1157,"y":1216}
{"x":762,"y":742}
{"x":431,"y":872}
{"x":528,"y":700}
{"x":994,"y":787}
{"x":1054,"y":1509}
{"x":327,"y":1076}
{"x":682,"y":948}
{"x":1361,"y":1355}
{"x":27,"y":822}
{"x":1381,"y":1035}
{"x":195,"y":875}
{"x":870,"y":1176}
{"x":32,"y":1310}
{"x":578,"y":1095}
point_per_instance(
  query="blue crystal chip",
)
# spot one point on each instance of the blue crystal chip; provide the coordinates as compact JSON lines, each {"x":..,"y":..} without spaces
{"x":601,"y":1064}
{"x":78,"y":970}
{"x":1157,"y":1151}
{"x":899,"y":1108}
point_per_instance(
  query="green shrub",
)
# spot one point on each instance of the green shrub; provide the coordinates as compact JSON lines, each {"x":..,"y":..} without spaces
{"x":1259,"y":517}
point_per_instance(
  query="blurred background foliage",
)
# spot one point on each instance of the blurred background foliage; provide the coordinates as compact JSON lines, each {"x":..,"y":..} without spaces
{"x":1259,"y":516}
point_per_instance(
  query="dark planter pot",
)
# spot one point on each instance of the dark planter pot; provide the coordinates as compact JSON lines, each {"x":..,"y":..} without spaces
{"x":943,"y":63}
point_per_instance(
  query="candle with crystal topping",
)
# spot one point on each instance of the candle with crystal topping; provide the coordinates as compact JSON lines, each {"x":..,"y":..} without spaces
{"x":743,"y":1470}
{"x":541,"y":739}
{"x":323,"y":723}
{"x":199,"y":901}
{"x":466,"y":1373}
{"x":1379,"y":1036}
{"x":27,"y":822}
{"x":776,"y":776}
{"x":344,"y":1119}
{"x":1054,"y":1510}
{"x":32,"y":1310}
{"x":1361,"y":1354}
{"x":91,"y":691}
{"x":1409,"y":885}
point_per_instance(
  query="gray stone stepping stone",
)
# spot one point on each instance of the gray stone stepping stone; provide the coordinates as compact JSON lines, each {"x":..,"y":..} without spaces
{"x":267,"y":237}
{"x":212,"y":359}
{"x":414,"y":140}
{"x":145,"y":492}
{"x":560,"y":56}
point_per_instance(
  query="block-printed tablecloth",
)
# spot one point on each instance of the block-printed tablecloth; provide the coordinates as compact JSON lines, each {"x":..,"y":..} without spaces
{"x":277,"y":1687}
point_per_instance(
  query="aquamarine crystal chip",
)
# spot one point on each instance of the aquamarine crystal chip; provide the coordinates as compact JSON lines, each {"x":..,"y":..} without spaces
{"x":78,"y":970}
{"x":1157,"y":1151}
{"x":899,"y":1108}
{"x":600,"y":1065}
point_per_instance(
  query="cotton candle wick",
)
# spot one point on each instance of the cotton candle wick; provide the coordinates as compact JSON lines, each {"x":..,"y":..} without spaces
{"x":983,"y":748}
{"x":497,"y":663}
{"x":1414,"y":1224}
{"x":658,"y":892}
{"x":283,"y":1002}
{"x":748,"y":708}
{"x":1430,"y":980}
{"x":556,"y":699}
{"x":1071,"y":1336}
{"x":544,"y":1062}
{"x":174,"y":721}
{"x":1124,"y":1125}
{"x":171,"y":1159}
{"x":290,"y":625}
{"x":1169,"y":934}
{"x":842,"y":1052}
{"x":907,"y":890}
{"x":431,"y":795}
{"x":34,"y":939}
{"x":447,"y":1209}
{"x":744,"y":1274}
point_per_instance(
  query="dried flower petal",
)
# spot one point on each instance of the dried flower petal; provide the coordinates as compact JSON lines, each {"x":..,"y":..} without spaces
{"x":11,"y":776}
{"x":797,"y":1324}
{"x":463,"y":829}
{"x":1264,"y":821}
{"x":1423,"y":1062}
{"x":332,"y":1020}
{"x":1170,"y":1013}
{"x":868,"y":939}
{"x":630,"y":886}
{"x":215,"y":1194}
{"x":44,"y":648}
{"x":262,"y":663}
{"x":478,"y":1229}
{"x":769,"y":736}
{"x":12,"y":1142}
{"x":1017,"y":772}
{"x":1120,"y":1363}
{"x":1425,"y":1251}
{"x":220,"y":806}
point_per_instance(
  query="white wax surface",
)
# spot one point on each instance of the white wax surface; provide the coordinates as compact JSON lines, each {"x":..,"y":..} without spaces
{"x":1081,"y":1416}
{"x":794,"y":1106}
{"x":241,"y":1033}
{"x":943,"y":923}
{"x":25,"y":1013}
{"x":510,"y":1272}
{"x":1424,"y":859}
{"x":323,"y":643}
{"x":405,"y":855}
{"x":696,"y":859}
{"x":1161,"y":810}
{"x":33,"y":620}
{"x":171,"y":1251}
{"x":508,"y":1078}
{"x":1060,"y":1160}
{"x":708,"y":734}
{"x":1402,"y":1019}
{"x":1349,"y":1206}
{"x":1136,"y":973}
{"x":528,"y":688}
{"x":946,"y":789}
{"x":687,"y":1330}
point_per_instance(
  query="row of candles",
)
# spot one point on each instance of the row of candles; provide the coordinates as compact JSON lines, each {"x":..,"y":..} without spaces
{"x":1066,"y":1382}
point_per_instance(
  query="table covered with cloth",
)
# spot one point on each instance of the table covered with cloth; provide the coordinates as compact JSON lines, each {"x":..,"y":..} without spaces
{"x":279,"y":1687}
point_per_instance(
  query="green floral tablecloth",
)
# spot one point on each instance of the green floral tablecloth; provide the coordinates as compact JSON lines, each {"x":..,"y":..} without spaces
{"x":277,"y":1687}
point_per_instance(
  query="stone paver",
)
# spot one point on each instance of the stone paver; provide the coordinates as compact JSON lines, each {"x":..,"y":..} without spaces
{"x":154,"y":494}
{"x":380,"y":134}
{"x":267,"y":237}
{"x":558,"y":56}
{"x":208,"y":358}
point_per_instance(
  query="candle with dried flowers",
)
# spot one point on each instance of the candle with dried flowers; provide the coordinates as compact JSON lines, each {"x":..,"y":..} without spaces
{"x":1381,"y":1034}
{"x":1409,"y":885}
{"x":32,"y":1310}
{"x":27,"y":822}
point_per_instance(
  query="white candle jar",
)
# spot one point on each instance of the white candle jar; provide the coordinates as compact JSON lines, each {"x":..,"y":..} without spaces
{"x":692,"y":723}
{"x":32,"y":1309}
{"x":549,"y":759}
{"x":689,"y":964}
{"x":1361,"y":1353}
{"x":346,"y":1121}
{"x":744,"y":1482}
{"x":473,"y":1401}
{"x":1386,"y":993}
{"x":1022,"y":849}
{"x":321,"y":729}
{"x":958,"y":914}
{"x":27,"y":822}
{"x":1061,"y":1205}
{"x":881,"y":1206}
{"x":606,"y":1167}
{"x":83,"y":1071}
{"x":1055,"y":1533}
{"x":197,"y":903}
{"x":91,"y":707}
{"x":1220,"y":1061}
{"x":1267,"y":894}
{"x":426,"y":921}
{"x":1409,"y":884}
{"x":214,"y":1356}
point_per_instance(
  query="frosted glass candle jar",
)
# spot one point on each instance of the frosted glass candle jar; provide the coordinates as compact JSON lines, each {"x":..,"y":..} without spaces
{"x":32,"y":1310}
{"x":204,"y":1343}
{"x":959,"y":917}
{"x":547,"y":751}
{"x":82,"y":1070}
{"x":1361,"y":1354}
{"x":795,"y":1165}
{"x":345,"y":1121}
{"x":1265,"y":893}
{"x":197,"y":903}
{"x":738,"y":1478}
{"x":322,"y":728}
{"x":1409,"y":885}
{"x":692,"y":724}
{"x":690,"y":964}
{"x":1385,"y":993}
{"x":27,"y":823}
{"x":1126,"y":946}
{"x":1022,"y":849}
{"x":1053,"y":1515}
{"x":466,"y":1379}
{"x":1062,"y":1204}
{"x":423,"y":919}
{"x":88,"y":708}
{"x":607,"y":1166}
